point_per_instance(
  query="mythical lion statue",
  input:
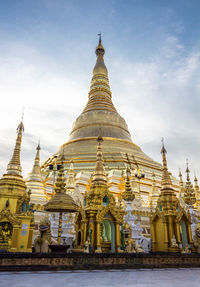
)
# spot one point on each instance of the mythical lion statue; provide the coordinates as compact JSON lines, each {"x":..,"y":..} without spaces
{"x":133,"y":247}
{"x":196,"y":238}
{"x":44,"y":239}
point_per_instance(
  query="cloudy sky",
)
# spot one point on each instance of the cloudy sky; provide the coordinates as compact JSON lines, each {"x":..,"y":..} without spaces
{"x":152,"y":55}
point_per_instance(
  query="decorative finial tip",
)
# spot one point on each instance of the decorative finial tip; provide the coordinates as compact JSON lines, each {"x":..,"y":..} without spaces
{"x":99,"y":37}
{"x":38,"y":146}
{"x":163,"y":150}
{"x":187,"y":164}
{"x":100,"y":49}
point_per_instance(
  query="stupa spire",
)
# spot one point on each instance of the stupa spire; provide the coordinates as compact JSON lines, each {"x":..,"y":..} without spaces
{"x":181,"y":178}
{"x":100,"y":94}
{"x":36,"y":167}
{"x":99,"y":176}
{"x":166,"y":182}
{"x":14,"y":166}
{"x":34,"y":181}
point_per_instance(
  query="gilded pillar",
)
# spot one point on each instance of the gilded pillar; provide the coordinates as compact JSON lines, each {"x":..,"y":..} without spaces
{"x":85,"y":232}
{"x":189,"y":232}
{"x":14,"y":238}
{"x":171,"y":229}
{"x":166,"y":232}
{"x":98,"y":237}
{"x":117,"y":237}
{"x":153,"y":234}
{"x":30,"y":237}
{"x":178,"y":234}
{"x":92,"y":227}
{"x":77,"y":229}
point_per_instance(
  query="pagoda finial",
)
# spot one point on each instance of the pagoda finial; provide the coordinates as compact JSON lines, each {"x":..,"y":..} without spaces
{"x":100,"y":49}
{"x":14,"y":166}
{"x":187,"y":170}
{"x":166,"y":180}
{"x":99,"y":176}
{"x":99,"y":37}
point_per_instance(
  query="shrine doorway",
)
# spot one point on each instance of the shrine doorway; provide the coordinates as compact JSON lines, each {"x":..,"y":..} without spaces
{"x":108,"y":236}
{"x":184,"y":236}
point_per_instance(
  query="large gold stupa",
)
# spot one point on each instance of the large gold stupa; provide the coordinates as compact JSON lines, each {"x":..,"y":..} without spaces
{"x":100,"y":113}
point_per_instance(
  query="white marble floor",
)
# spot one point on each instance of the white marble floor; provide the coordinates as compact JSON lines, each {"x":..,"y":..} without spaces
{"x":99,"y":278}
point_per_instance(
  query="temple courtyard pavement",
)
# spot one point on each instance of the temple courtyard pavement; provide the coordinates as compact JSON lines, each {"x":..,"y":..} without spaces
{"x":138,"y":278}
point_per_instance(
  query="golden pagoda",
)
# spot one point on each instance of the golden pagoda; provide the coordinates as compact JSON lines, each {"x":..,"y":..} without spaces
{"x":100,"y":112}
{"x":170,"y":224}
{"x":98,"y":222}
{"x":16,"y":217}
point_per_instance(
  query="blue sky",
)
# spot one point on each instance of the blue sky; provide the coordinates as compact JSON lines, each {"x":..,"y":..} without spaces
{"x":153,"y":59}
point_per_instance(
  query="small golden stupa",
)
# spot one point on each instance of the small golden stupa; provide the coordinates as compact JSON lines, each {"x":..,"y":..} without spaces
{"x":16,"y":217}
{"x":170,"y":224}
